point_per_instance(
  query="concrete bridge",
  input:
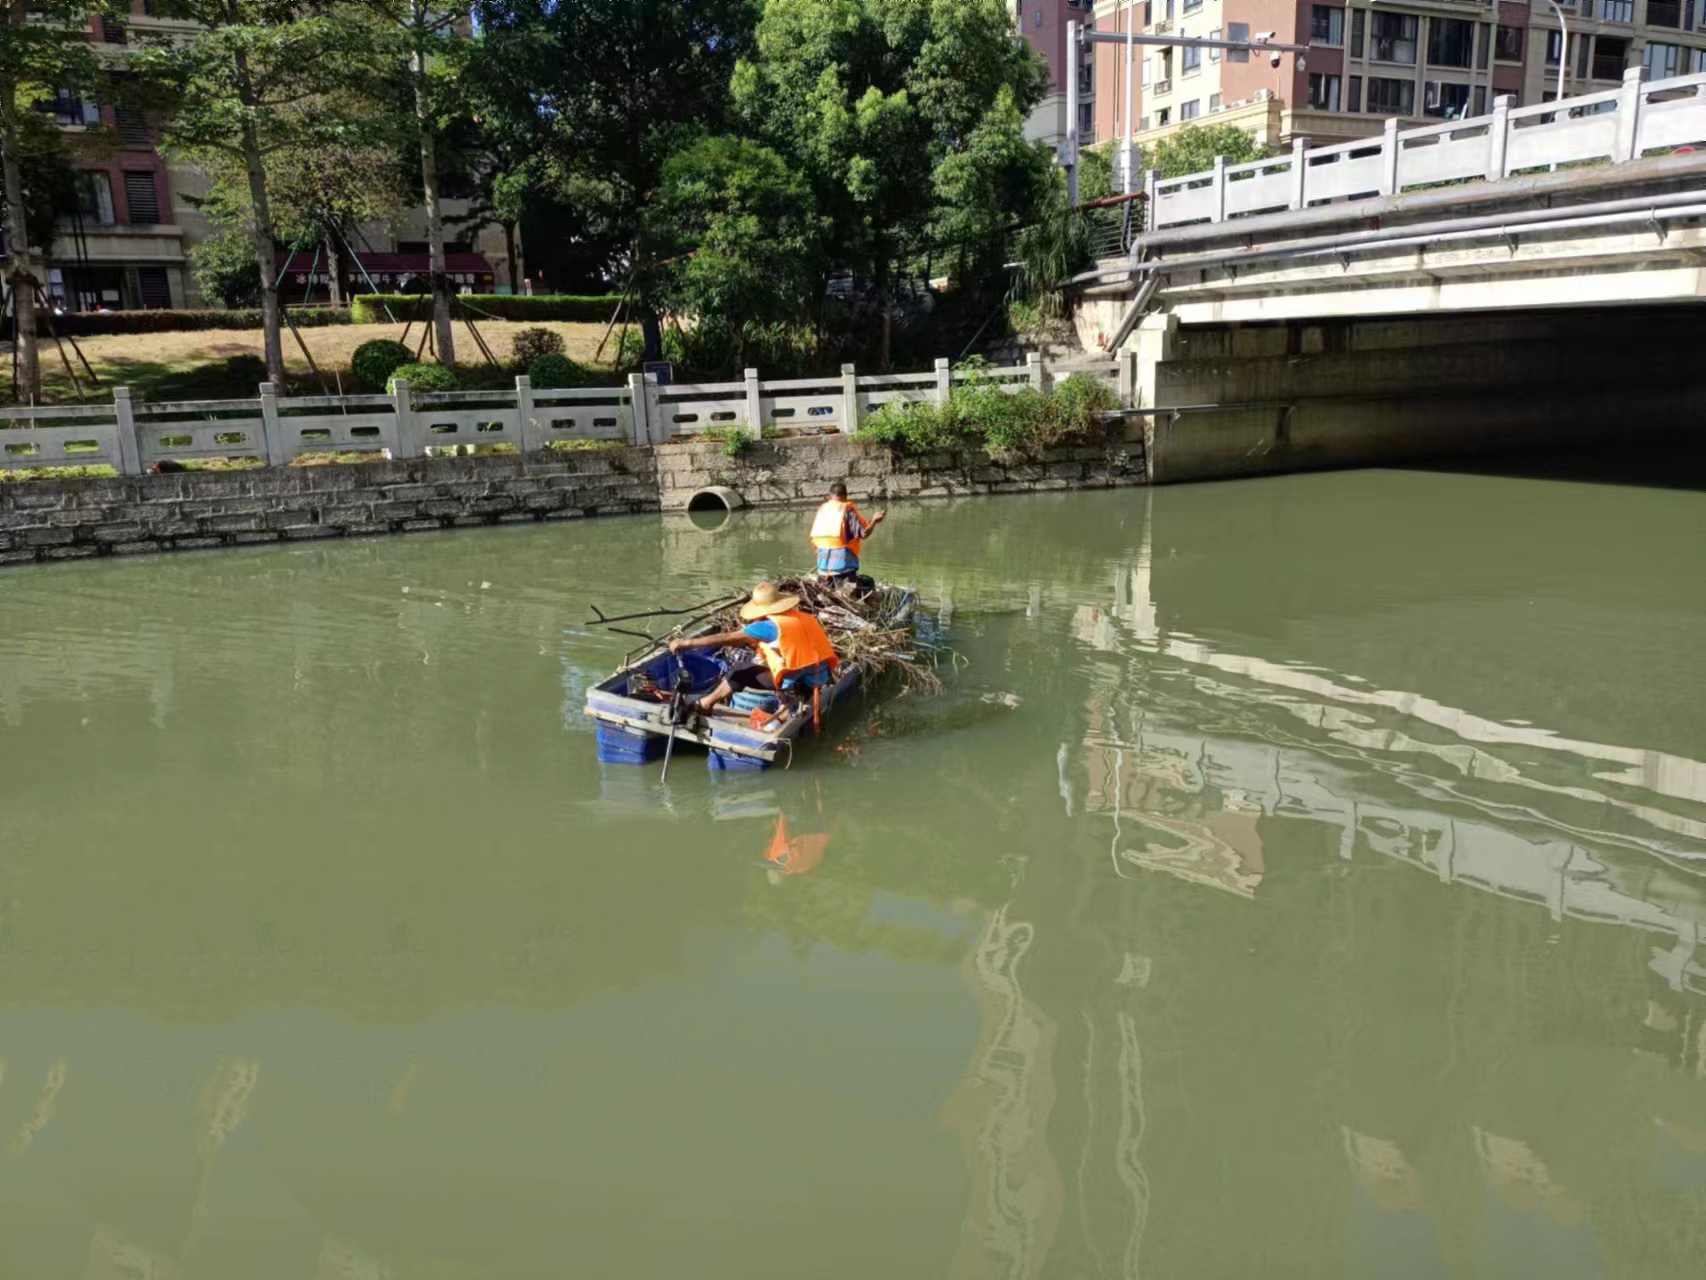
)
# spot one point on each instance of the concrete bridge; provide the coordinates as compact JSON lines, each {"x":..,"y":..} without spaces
{"x":1487,"y":283}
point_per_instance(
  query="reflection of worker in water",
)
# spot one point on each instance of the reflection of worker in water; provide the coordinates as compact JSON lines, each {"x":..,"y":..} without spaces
{"x":793,"y":856}
{"x":839,"y":533}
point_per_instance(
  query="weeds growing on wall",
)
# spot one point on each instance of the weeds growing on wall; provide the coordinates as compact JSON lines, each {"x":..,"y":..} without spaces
{"x":1009,"y":425}
{"x":735,"y":440}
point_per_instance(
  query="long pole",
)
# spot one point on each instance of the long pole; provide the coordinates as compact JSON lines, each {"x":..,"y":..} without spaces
{"x":1130,"y":184}
{"x":1563,"y":45}
{"x":1073,"y":55}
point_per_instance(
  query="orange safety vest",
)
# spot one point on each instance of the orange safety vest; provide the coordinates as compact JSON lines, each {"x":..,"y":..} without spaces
{"x":829,"y":530}
{"x":801,"y":642}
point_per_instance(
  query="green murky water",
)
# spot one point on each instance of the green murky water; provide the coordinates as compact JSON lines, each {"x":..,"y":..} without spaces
{"x":1303,"y":878}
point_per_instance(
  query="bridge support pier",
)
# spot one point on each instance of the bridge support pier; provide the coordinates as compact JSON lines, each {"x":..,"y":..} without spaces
{"x":1311,"y":394}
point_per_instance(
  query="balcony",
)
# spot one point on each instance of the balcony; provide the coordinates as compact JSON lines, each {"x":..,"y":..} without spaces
{"x":1665,"y":13}
{"x":1161,"y":88}
{"x":1609,"y":65}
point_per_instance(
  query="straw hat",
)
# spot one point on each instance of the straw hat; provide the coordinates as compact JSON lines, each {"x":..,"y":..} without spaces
{"x":765,"y":601}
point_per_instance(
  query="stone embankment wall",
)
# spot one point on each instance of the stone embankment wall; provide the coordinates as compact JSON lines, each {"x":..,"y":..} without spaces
{"x":74,"y":519}
{"x":790,"y":472}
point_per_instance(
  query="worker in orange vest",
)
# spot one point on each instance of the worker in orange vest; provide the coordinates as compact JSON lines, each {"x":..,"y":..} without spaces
{"x":839,"y":533}
{"x":795,"y":652}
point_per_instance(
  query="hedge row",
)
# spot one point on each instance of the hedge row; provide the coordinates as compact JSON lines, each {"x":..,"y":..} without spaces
{"x":82,"y":324}
{"x":370,"y":308}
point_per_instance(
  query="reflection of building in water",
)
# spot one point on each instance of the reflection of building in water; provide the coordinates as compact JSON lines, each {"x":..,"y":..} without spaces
{"x":1001,"y":1112}
{"x":1189,"y":806}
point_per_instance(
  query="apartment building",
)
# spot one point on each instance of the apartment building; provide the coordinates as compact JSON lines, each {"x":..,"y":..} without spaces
{"x":1043,"y":24}
{"x":127,"y":245}
{"x":1420,"y":60}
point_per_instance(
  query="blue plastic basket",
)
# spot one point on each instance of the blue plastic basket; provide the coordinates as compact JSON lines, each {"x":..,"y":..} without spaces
{"x":754,"y":700}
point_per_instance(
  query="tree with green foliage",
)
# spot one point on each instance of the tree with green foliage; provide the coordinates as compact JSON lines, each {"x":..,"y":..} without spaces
{"x":50,"y":175}
{"x":342,"y":170}
{"x":235,"y":88}
{"x":43,"y":46}
{"x":873,"y":100}
{"x":739,"y":238}
{"x":1193,"y":148}
{"x":225,"y":269}
{"x":608,"y":90}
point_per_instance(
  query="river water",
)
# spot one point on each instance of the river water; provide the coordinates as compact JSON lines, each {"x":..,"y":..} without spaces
{"x":1300,"y":877}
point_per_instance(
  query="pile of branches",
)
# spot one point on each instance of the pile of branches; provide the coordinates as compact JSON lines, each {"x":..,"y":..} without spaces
{"x":868,"y":632}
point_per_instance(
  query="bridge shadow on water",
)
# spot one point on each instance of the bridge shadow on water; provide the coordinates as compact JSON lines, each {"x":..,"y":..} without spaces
{"x":1672,"y":461}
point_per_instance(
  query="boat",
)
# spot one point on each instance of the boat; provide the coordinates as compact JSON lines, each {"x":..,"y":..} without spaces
{"x":642,"y":712}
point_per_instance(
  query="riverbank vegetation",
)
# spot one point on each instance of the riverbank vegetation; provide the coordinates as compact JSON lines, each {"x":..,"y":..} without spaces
{"x":1009,"y":425}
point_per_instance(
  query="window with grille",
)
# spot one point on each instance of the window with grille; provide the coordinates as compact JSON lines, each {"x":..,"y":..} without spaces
{"x":1617,"y":10}
{"x":1391,"y":97}
{"x":1392,"y":37}
{"x":132,"y":126}
{"x":112,"y":30}
{"x":95,"y":198}
{"x":1451,"y":42}
{"x":1353,"y":94}
{"x":1357,"y":23}
{"x":1446,"y":101}
{"x":142,"y":196}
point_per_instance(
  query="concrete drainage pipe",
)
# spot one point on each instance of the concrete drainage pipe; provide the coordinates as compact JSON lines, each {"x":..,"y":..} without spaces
{"x":714,"y":499}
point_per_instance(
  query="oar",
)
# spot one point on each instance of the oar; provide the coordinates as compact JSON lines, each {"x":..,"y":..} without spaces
{"x":683,"y":682}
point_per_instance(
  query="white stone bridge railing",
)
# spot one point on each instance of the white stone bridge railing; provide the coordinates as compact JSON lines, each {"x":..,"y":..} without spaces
{"x":132,"y":437}
{"x":1617,"y":125}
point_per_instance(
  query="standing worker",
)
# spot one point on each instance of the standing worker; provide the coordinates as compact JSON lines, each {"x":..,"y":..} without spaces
{"x":838,"y":532}
{"x":795,"y":649}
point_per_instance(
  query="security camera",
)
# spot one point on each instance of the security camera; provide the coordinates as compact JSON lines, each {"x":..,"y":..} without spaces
{"x":1262,"y":37}
{"x":1273,"y":60}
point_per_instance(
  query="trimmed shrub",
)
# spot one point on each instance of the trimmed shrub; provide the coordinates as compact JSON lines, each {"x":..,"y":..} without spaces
{"x":370,"y":308}
{"x":374,"y":362}
{"x":423,"y":377}
{"x":529,"y":344}
{"x":86,"y":324}
{"x":551,"y":372}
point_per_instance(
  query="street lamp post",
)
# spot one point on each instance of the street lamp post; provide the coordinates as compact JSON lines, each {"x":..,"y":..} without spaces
{"x":1563,"y":44}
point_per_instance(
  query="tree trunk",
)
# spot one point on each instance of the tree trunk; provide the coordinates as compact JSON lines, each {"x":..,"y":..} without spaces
{"x":272,"y":335}
{"x":513,"y":262}
{"x":261,"y":231}
{"x":334,"y":272}
{"x":443,"y":334}
{"x":651,"y":334}
{"x":20,"y":276}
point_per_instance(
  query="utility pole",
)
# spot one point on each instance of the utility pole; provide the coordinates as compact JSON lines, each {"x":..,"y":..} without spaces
{"x":1074,"y":55}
